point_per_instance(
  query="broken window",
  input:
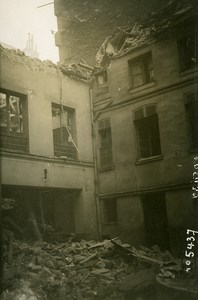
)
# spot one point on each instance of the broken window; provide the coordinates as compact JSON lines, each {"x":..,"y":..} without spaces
{"x":13,"y":114}
{"x":191,"y":106}
{"x":141,"y":70}
{"x":109,"y":211}
{"x":187,"y":53}
{"x":101,"y":82}
{"x":63,"y":122}
{"x":147,"y":129}
{"x":106,"y":157}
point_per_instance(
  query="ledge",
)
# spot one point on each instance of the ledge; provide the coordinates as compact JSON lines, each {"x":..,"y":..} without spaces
{"x":33,"y":157}
{"x":149,"y":159}
{"x":142,"y":87}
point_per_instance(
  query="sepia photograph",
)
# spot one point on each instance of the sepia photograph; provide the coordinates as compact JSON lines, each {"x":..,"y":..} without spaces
{"x":98,"y":150}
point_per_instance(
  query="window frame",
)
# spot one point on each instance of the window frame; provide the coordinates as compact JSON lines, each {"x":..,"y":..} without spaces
{"x":65,"y":148}
{"x":105,"y":148}
{"x":185,"y":55}
{"x":144,"y":61}
{"x":12,"y":140}
{"x":102,"y":88}
{"x":145,"y":116}
{"x":191,"y":139}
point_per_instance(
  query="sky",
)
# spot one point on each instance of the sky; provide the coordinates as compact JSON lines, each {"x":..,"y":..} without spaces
{"x":20,"y":17}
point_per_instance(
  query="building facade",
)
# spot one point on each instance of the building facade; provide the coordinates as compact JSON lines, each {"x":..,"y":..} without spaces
{"x":146,"y":128}
{"x":46,"y":145}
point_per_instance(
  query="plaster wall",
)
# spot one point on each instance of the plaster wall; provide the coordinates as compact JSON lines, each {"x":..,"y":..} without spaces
{"x":173,"y":166}
{"x":42,"y":88}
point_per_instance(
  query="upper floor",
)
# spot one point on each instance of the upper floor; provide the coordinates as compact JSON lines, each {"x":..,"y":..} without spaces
{"x":148,"y":143}
{"x":43,"y":112}
{"x":83,"y":25}
{"x":138,"y":63}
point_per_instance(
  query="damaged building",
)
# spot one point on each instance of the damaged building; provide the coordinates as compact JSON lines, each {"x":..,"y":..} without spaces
{"x":125,"y":168}
{"x":84,"y":25}
{"x":47,"y":161}
{"x":145,"y":113}
{"x":98,"y":155}
{"x":146,"y":126}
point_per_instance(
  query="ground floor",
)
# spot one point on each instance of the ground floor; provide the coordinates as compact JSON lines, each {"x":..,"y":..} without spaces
{"x":49,"y":209}
{"x":51,"y":194}
{"x":150,"y":218}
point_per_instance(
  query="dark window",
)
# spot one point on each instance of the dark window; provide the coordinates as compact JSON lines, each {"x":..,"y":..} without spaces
{"x":147,"y":128}
{"x":141,"y":70}
{"x":155,"y":219}
{"x":187,"y":53}
{"x":63,"y":122}
{"x":109,"y":210}
{"x":192,"y":119}
{"x":106,"y":158}
{"x":13,"y":120}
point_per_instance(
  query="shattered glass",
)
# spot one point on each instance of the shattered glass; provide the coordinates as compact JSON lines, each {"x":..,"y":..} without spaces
{"x":15,"y":114}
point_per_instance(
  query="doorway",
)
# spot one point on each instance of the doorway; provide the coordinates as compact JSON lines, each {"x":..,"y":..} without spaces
{"x":155,"y":220}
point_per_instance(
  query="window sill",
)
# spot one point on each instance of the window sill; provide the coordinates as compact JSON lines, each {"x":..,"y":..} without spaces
{"x":141,"y":87}
{"x":110,"y":168}
{"x":149,"y":159}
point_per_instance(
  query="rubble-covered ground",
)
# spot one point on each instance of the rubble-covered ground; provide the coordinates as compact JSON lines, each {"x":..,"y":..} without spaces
{"x":73,"y":270}
{"x":61,"y":267}
{"x":81,"y":270}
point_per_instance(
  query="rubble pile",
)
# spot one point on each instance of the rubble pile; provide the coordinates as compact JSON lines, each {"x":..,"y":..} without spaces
{"x":143,"y":32}
{"x":80,"y":71}
{"x":8,"y":204}
{"x":76,"y":270}
{"x":77,"y":70}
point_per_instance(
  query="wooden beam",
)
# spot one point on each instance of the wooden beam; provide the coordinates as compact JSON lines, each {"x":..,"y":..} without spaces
{"x":45,"y":4}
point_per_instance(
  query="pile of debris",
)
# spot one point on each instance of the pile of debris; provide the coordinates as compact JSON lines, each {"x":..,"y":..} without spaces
{"x":79,"y":270}
{"x":143,"y":32}
{"x":80,"y":71}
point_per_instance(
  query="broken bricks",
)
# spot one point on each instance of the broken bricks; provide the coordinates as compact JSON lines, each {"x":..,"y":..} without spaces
{"x":79,"y":270}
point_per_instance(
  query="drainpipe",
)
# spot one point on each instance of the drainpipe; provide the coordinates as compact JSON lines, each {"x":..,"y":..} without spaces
{"x":96,"y":181}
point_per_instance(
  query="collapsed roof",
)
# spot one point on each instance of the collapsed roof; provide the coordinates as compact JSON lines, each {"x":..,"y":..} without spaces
{"x":79,"y":71}
{"x":145,"y":32}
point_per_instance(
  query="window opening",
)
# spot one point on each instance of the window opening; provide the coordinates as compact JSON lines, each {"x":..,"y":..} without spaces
{"x":141,"y":70}
{"x":191,"y":107}
{"x":64,"y":131}
{"x":110,"y":211}
{"x":147,"y":129}
{"x":13,"y":114}
{"x":106,"y":157}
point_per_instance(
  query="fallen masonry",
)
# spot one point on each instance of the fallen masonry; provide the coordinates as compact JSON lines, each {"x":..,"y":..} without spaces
{"x":60,"y":267}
